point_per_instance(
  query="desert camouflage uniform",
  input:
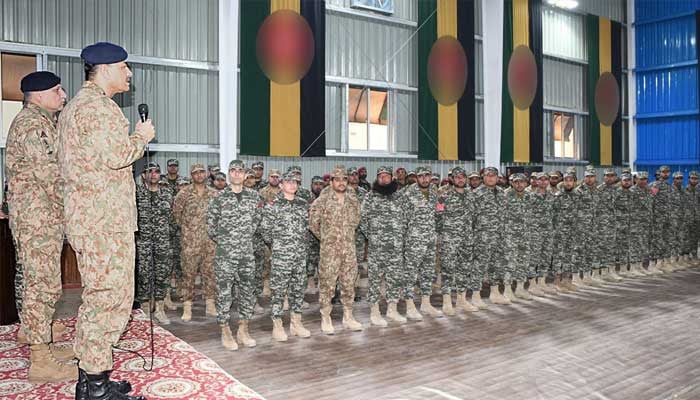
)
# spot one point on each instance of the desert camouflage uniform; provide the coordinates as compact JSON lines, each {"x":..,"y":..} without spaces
{"x":35,"y":202}
{"x":95,"y":157}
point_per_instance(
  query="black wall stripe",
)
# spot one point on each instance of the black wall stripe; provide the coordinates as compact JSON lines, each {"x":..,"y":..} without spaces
{"x":466,"y":120}
{"x":536,"y":109}
{"x":313,"y":90}
{"x":616,"y":66}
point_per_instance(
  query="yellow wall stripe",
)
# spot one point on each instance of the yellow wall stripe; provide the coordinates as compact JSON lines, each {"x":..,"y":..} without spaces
{"x":521,"y":118}
{"x":447,"y":115}
{"x":605,"y":57}
{"x":285,"y":104}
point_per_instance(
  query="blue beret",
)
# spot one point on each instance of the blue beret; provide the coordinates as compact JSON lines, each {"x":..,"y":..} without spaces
{"x":103,"y":53}
{"x":38,"y":81}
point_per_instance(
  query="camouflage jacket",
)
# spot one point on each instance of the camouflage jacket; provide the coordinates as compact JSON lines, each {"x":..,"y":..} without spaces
{"x":518,"y":215}
{"x":678,"y":203}
{"x":693,"y":198}
{"x":95,"y":154}
{"x":383,"y":221}
{"x":305,"y":194}
{"x":35,"y":185}
{"x":190,"y":213}
{"x":490,"y":211}
{"x":455,"y":213}
{"x":332,"y":222}
{"x":269,"y":193}
{"x":606,"y":205}
{"x":625,"y":203}
{"x":567,"y":212}
{"x":644,"y":207}
{"x":155,"y":214}
{"x":420,"y":209}
{"x":661,"y":193}
{"x":231,"y":222}
{"x":285,"y":225}
{"x":172,"y":184}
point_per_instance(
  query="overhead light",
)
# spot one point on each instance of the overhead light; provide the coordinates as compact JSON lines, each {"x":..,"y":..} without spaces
{"x":566,"y":4}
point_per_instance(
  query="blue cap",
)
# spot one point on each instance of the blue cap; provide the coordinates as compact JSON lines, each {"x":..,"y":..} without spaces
{"x":38,"y":81}
{"x":103,"y":53}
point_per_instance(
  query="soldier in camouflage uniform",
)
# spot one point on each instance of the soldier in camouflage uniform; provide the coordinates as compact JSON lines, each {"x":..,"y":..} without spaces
{"x":268,"y":194}
{"x":607,"y":253}
{"x":542,"y":227}
{"x":219,"y":182}
{"x":693,"y":221}
{"x":360,"y":193}
{"x":420,"y":204}
{"x":302,"y":192}
{"x":641,"y":230}
{"x":212,"y":170}
{"x":383,"y":222}
{"x":567,"y":212}
{"x":455,"y":213}
{"x":172,"y":179}
{"x":555,"y":178}
{"x":233,"y":218}
{"x":518,"y":220}
{"x":410,"y":178}
{"x":334,"y":219}
{"x":95,"y":155}
{"x":625,"y":204}
{"x":153,"y":249}
{"x":488,"y":227}
{"x":35,"y":211}
{"x":474,"y":181}
{"x":259,"y":169}
{"x":590,"y":204}
{"x":661,"y":220}
{"x":190,"y":212}
{"x":284,"y":227}
{"x":314,"y":245}
{"x":678,"y":219}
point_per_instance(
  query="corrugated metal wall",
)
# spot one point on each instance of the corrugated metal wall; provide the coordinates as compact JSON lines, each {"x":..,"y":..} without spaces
{"x":668,"y":120}
{"x":563,"y":34}
{"x":564,"y":84}
{"x":613,"y":9}
{"x":404,"y":9}
{"x":179,"y":29}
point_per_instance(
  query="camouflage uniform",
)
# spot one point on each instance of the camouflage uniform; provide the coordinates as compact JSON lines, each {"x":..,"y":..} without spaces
{"x":661,"y":219}
{"x":335,"y":224}
{"x":95,"y":157}
{"x":268,"y":194}
{"x":420,"y":247}
{"x":641,"y":224}
{"x":488,"y":233}
{"x":625,"y":204}
{"x":455,"y":215}
{"x":176,"y":233}
{"x":678,"y":218}
{"x":383,"y":222}
{"x":153,"y":248}
{"x":232,"y":221}
{"x":518,"y":219}
{"x":35,"y":202}
{"x":360,"y":239}
{"x":314,"y":255}
{"x":607,"y":253}
{"x":589,"y":224}
{"x":543,"y":225}
{"x":190,"y":212}
{"x":284,"y":227}
{"x":693,"y":218}
{"x":567,"y":205}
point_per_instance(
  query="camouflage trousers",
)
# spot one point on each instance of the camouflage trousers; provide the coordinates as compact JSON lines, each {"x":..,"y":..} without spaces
{"x":607,"y":253}
{"x":39,"y":254}
{"x":338,"y":264}
{"x":661,"y":236}
{"x":19,"y":279}
{"x":360,"y":243}
{"x":259,"y":255}
{"x":287,"y":277}
{"x":106,"y":265}
{"x":588,"y":245}
{"x":490,"y":268}
{"x":677,"y":237}
{"x":384,"y":265}
{"x":154,"y":268}
{"x":639,"y":243}
{"x":314,"y":257}
{"x":692,"y":236}
{"x":419,"y":268}
{"x":198,"y":256}
{"x":176,"y":244}
{"x":517,"y":260}
{"x":454,"y":268}
{"x":234,"y":271}
{"x":623,"y":244}
{"x":567,"y":254}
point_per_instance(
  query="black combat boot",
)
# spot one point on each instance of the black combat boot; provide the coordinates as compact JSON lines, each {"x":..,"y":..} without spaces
{"x":99,"y":387}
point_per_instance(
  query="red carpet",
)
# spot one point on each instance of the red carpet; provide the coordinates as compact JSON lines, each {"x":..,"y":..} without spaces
{"x":180,"y":372}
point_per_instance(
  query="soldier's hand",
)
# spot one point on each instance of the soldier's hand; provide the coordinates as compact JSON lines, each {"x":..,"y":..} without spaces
{"x":146,"y":130}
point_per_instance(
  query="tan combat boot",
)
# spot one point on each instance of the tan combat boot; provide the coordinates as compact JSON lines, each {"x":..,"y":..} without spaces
{"x":535,"y":289}
{"x":508,"y":293}
{"x":243,"y":336}
{"x":349,"y":321}
{"x":547,"y":288}
{"x":463,"y":304}
{"x":278,"y":334}
{"x":211,"y":308}
{"x":477,"y":302}
{"x":568,"y":284}
{"x":612,"y":273}
{"x":326,"y":322}
{"x":296,"y":328}
{"x":411,"y":311}
{"x":497,"y":298}
{"x":285,"y":305}
{"x":427,"y":308}
{"x":57,"y":331}
{"x":576,"y":280}
{"x":159,"y":314}
{"x":520,"y":291}
{"x":266,"y":292}
{"x":447,"y":305}
{"x":186,"y":311}
{"x":227,"y":338}
{"x":62,"y":353}
{"x":311,"y":287}
{"x":393,"y":314}
{"x":44,"y":367}
{"x":375,"y":316}
{"x":169,"y":305}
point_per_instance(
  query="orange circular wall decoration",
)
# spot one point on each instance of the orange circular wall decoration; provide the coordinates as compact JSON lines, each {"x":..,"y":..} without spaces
{"x":607,"y":98}
{"x":447,"y":70}
{"x":522,"y":77}
{"x":285,"y":47}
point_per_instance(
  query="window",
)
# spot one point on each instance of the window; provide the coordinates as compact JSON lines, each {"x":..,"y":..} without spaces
{"x":368,"y":128}
{"x":564,"y":142}
{"x":565,"y":135}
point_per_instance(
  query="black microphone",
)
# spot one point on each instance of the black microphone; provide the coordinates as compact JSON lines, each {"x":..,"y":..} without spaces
{"x":143,"y":111}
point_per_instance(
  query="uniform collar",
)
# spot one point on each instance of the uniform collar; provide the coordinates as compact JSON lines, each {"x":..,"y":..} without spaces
{"x":94,"y":87}
{"x":37,"y":109}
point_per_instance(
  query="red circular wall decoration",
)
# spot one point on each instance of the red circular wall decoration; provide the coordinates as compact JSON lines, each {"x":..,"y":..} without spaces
{"x":447,"y":70}
{"x":607,"y":98}
{"x":522,"y":77}
{"x":285,"y":47}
